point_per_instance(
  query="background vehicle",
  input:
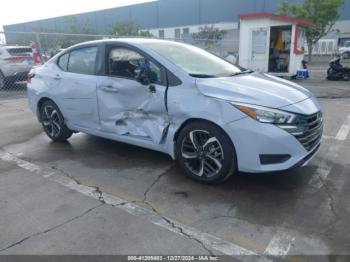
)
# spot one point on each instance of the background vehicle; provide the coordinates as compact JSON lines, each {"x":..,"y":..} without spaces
{"x":15,"y":63}
{"x":345,"y":50}
{"x":337,"y":71}
{"x":213,"y":117}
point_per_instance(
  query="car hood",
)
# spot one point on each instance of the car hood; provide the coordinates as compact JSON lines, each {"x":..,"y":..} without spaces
{"x":255,"y":88}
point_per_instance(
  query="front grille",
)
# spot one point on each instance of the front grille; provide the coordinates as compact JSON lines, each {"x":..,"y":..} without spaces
{"x":307,"y":129}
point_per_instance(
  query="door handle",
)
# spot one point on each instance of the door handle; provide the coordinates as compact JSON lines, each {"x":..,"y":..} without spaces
{"x":57,"y":77}
{"x":109,"y":88}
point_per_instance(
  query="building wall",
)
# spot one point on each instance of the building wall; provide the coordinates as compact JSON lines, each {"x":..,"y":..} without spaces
{"x":181,"y":16}
{"x":163,"y":14}
{"x":169,"y":32}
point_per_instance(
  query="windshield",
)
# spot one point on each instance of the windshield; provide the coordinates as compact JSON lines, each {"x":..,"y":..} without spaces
{"x":193,"y":60}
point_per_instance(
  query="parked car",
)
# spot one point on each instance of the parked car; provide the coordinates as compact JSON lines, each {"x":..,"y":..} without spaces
{"x":337,"y":71}
{"x":345,"y":50}
{"x":15,"y":63}
{"x":215,"y":118}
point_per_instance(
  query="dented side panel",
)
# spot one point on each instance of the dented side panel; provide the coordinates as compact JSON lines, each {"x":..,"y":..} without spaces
{"x":129,"y":108}
{"x":186,"y":102}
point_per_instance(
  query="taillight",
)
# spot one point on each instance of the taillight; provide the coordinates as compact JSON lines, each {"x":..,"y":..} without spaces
{"x":30,"y":76}
{"x":15,"y":59}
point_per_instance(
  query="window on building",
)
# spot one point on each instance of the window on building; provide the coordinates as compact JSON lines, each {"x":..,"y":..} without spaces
{"x":82,"y":61}
{"x":161,"y":34}
{"x":185,"y":31}
{"x":323,"y":47}
{"x":344,"y":42}
{"x":177,"y":33}
{"x":330,"y":47}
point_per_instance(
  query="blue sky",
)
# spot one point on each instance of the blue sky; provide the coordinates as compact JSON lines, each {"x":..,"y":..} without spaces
{"x":18,"y":11}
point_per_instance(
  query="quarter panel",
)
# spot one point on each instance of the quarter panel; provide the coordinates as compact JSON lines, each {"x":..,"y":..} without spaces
{"x":42,"y":85}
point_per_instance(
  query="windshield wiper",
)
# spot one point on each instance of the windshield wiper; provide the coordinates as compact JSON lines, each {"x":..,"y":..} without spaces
{"x":242,"y":72}
{"x":202,"y":75}
{"x":215,"y":76}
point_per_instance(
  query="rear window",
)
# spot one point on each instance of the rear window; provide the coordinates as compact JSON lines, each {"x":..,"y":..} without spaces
{"x":82,"y":60}
{"x":19,"y":51}
{"x":63,"y":62}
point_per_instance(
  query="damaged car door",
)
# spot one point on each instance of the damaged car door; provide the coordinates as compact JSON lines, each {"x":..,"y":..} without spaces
{"x":131,"y":95}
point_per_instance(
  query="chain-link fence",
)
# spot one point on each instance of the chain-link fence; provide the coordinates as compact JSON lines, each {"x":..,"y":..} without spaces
{"x":20,"y":51}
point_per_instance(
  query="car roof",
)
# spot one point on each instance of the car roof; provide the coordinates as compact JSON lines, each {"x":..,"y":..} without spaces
{"x":134,"y":40}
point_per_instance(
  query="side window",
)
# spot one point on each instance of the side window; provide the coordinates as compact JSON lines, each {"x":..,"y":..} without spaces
{"x":156,"y":73}
{"x":63,"y":61}
{"x":122,"y":62}
{"x":82,"y":61}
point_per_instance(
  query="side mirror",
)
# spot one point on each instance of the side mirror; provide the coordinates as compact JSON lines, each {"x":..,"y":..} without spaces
{"x":142,"y":74}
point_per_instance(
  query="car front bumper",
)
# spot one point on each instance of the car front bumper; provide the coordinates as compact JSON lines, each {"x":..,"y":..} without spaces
{"x":254,"y":140}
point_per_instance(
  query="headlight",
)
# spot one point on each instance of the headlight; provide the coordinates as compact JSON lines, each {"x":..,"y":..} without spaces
{"x":265,"y":114}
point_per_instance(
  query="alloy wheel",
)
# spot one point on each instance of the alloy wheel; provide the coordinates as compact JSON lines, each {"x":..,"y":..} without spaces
{"x":51,"y":121}
{"x":202,"y":153}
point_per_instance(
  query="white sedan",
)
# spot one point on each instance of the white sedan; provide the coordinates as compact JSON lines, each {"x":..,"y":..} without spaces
{"x":215,"y":118}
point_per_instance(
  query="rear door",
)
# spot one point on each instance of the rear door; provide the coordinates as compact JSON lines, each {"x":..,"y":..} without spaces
{"x":76,"y":89}
{"x":127,"y":107}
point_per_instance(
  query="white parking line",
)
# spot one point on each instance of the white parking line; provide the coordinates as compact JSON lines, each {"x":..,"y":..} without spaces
{"x":278,"y":246}
{"x":344,"y":130}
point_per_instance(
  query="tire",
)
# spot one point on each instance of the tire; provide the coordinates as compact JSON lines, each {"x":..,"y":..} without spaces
{"x":2,"y":81}
{"x":53,"y":122}
{"x":329,"y":74}
{"x":346,"y":55}
{"x":206,"y":153}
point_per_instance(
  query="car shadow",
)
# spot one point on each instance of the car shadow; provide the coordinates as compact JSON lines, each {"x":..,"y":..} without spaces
{"x":266,"y":198}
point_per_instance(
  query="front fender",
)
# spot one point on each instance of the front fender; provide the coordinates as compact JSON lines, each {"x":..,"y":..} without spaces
{"x":187,"y":103}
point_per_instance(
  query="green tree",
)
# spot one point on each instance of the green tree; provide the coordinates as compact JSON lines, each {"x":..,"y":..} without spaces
{"x":76,"y":31}
{"x":208,"y":35}
{"x":323,"y":13}
{"x":127,"y":28}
